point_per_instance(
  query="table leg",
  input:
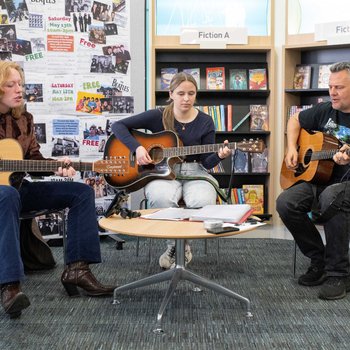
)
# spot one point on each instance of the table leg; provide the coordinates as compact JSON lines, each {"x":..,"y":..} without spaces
{"x":177,"y":276}
{"x":160,"y":277}
{"x":192,"y":277}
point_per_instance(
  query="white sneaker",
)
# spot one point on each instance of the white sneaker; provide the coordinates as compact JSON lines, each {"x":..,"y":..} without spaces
{"x":188,"y":256}
{"x":167,"y":259}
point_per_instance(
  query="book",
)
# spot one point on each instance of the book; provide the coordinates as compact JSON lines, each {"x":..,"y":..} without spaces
{"x":166,"y":74}
{"x":259,"y":118}
{"x":257,"y":79}
{"x":302,"y":77}
{"x":215,"y":77}
{"x":323,"y":76}
{"x":259,"y":162}
{"x":234,"y":213}
{"x":238,"y":79}
{"x":254,"y":196}
{"x":196,"y":73}
{"x":229,"y":117}
{"x":240,"y":161}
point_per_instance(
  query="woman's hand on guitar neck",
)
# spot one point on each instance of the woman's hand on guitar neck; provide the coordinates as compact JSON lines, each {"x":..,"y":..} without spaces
{"x":142,"y":156}
{"x":224,"y":151}
{"x":342,"y":156}
{"x":67,"y":170}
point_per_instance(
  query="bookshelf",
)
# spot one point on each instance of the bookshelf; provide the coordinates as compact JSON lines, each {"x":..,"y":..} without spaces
{"x":313,"y":55}
{"x":167,"y":52}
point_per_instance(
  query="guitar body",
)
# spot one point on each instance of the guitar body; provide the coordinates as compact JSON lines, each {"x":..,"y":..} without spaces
{"x":9,"y":149}
{"x":127,"y":174}
{"x":315,"y":171}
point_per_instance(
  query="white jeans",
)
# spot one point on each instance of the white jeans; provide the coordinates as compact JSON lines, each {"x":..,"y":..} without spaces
{"x":195,"y":193}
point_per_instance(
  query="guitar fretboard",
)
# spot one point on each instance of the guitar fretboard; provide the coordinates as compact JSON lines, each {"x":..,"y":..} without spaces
{"x":200,"y":149}
{"x":326,"y":154}
{"x":40,"y":165}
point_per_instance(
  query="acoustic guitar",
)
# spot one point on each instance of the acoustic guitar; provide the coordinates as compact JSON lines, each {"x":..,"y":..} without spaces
{"x":11,"y":160}
{"x":165,"y":149}
{"x":315,"y":164}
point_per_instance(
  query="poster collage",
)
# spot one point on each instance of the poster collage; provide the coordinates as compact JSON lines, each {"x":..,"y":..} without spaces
{"x":76,"y":58}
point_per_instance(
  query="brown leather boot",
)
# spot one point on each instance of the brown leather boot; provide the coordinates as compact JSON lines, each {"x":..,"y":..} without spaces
{"x":13,"y":300}
{"x":79,"y":274}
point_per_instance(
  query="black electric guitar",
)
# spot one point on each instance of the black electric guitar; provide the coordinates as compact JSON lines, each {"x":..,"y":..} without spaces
{"x":165,"y":149}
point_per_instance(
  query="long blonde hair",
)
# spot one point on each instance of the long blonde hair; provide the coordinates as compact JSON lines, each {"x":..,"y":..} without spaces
{"x":168,"y":114}
{"x":5,"y":71}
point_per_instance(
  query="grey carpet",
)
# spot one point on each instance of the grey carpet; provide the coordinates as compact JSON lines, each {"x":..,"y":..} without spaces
{"x":286,"y":315}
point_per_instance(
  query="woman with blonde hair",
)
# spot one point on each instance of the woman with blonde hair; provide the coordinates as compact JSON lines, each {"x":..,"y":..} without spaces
{"x":193,"y":127}
{"x":82,"y":246}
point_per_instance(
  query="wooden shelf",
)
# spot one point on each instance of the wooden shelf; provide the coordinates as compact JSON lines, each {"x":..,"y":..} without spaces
{"x":167,"y":52}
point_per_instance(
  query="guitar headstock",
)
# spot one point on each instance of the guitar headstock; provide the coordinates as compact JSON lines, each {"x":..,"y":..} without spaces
{"x":252,"y":146}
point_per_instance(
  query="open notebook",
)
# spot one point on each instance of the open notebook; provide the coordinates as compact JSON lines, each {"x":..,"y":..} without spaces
{"x":235,"y":213}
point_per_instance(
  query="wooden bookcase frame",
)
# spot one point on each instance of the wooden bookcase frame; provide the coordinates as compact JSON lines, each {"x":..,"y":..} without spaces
{"x":256,"y":45}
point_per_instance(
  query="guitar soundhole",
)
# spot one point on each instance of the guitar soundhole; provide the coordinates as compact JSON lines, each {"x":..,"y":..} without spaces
{"x":302,"y":167}
{"x":156,"y":154}
{"x":307,"y":158}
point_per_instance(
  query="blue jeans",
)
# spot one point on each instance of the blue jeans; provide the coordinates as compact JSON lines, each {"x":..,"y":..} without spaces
{"x":82,"y":231}
{"x":293,"y":206}
{"x":195,"y":193}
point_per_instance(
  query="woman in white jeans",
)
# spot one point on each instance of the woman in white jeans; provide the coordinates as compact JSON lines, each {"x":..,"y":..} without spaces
{"x":193,"y":127}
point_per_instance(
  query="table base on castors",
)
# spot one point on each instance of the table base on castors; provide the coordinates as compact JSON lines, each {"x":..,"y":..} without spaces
{"x":174,"y":276}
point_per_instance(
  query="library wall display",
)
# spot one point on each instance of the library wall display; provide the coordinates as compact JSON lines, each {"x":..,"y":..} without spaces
{"x":76,"y":58}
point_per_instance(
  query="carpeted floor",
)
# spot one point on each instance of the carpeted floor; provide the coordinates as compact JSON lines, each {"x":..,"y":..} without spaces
{"x":286,"y":315}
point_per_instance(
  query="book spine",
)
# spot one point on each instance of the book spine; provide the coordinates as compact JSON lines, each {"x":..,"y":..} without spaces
{"x":229,"y":117}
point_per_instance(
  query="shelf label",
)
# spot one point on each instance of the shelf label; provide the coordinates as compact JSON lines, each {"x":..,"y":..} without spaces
{"x":214,"y":37}
{"x":333,"y":32}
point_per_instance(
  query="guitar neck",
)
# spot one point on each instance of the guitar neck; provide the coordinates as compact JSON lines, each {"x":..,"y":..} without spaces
{"x":326,"y":154}
{"x":27,"y":165}
{"x":199,"y":149}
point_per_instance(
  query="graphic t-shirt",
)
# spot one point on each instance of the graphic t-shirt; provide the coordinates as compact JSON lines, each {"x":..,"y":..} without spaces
{"x":324,"y":118}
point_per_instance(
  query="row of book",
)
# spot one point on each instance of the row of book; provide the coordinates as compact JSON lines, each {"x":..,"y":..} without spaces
{"x":307,"y":76}
{"x":215,"y":78}
{"x":246,"y":162}
{"x":223,"y":117}
{"x":252,"y":194}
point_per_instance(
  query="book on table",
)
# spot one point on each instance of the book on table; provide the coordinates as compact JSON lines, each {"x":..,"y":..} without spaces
{"x":232,"y":213}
